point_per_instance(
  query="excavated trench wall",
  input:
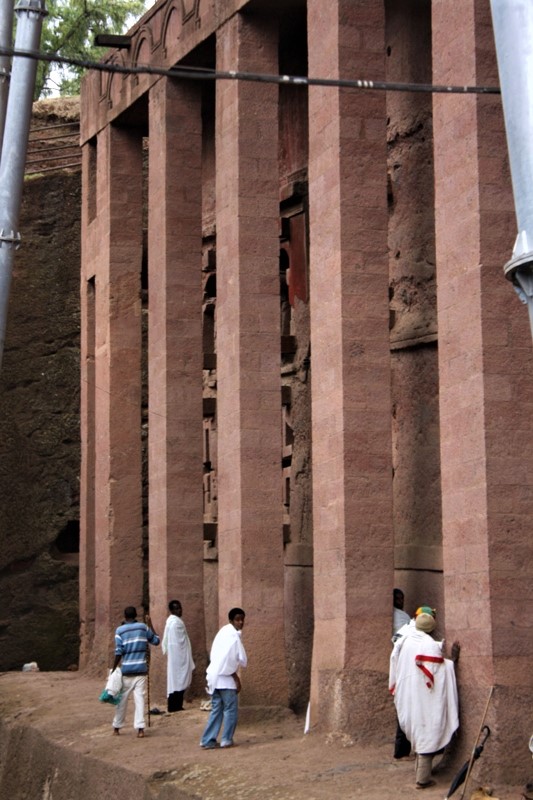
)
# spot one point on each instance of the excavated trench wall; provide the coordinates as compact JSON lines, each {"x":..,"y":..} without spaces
{"x":39,"y":412}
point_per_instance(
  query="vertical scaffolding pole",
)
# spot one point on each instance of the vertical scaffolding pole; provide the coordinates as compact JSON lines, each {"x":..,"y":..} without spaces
{"x":30,"y":15}
{"x":512,"y":22}
{"x":6,"y":41}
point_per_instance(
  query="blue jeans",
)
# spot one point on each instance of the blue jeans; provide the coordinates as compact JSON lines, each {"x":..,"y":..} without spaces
{"x":224,"y":709}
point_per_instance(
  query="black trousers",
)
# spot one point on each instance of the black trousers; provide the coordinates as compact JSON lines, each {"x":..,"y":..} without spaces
{"x":402,"y":745}
{"x":175,"y":701}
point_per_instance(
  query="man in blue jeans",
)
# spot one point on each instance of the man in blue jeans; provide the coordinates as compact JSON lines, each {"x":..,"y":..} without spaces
{"x":223,"y":683}
{"x":132,"y":639}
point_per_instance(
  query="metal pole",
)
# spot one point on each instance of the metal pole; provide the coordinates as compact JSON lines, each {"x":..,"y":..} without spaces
{"x":6,"y":41}
{"x":30,"y":15}
{"x":512,"y":22}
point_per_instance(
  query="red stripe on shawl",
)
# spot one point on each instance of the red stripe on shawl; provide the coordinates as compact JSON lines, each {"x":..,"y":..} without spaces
{"x":427,"y":673}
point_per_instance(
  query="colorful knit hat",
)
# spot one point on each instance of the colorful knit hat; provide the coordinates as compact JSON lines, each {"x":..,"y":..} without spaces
{"x":426,"y":610}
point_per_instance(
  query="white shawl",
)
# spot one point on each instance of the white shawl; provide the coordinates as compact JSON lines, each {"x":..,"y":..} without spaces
{"x":425,"y":691}
{"x":227,"y":655}
{"x":179,"y":664}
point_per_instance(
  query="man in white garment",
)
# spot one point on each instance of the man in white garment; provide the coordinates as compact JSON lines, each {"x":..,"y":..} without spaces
{"x":402,"y":747}
{"x":223,"y":682}
{"x":399,"y":616}
{"x":423,"y":684}
{"x":177,"y":647}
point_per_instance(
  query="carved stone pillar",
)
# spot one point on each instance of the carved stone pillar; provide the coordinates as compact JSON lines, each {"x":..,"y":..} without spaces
{"x":350,"y":370}
{"x":250,"y":507}
{"x":175,"y":360}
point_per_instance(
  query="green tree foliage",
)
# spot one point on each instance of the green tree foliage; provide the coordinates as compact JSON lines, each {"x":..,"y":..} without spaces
{"x":69,"y":30}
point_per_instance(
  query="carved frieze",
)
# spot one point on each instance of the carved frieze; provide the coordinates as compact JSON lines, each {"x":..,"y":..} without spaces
{"x":151,"y":44}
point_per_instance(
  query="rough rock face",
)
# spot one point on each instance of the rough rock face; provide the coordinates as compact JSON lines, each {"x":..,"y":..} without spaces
{"x":39,"y":424}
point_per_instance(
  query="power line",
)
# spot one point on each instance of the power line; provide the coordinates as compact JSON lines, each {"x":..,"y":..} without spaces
{"x":200,"y":73}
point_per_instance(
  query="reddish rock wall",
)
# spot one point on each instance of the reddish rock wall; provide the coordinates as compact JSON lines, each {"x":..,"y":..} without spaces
{"x":39,"y":424}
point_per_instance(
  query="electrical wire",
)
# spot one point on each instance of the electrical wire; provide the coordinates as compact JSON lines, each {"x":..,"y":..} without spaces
{"x":200,"y":73}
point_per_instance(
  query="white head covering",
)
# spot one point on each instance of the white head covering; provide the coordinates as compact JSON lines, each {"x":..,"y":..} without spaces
{"x":425,"y":623}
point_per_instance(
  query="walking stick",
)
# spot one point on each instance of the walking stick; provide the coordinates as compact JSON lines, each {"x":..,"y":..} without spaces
{"x":473,"y":756}
{"x":148,"y":682}
{"x":147,"y":620}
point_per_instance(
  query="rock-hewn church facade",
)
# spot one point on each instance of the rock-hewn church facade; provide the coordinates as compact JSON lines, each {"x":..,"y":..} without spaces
{"x":305,"y":379}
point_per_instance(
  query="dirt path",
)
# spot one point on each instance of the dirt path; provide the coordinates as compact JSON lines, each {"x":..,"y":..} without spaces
{"x":58,"y":715}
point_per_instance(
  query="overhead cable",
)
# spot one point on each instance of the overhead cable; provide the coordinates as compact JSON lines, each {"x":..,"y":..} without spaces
{"x":201,"y":73}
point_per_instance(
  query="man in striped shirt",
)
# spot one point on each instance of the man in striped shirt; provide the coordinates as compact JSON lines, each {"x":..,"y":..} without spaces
{"x":132,"y":639}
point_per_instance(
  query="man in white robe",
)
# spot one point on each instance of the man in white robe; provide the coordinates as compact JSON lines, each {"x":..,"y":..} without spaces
{"x":399,"y":616}
{"x":177,"y":647}
{"x":223,"y":683}
{"x":423,"y":684}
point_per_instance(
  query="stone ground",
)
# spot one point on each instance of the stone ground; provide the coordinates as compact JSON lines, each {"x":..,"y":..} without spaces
{"x":56,"y":744}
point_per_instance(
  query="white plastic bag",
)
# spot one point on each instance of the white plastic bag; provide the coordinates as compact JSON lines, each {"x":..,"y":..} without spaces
{"x":114,"y":682}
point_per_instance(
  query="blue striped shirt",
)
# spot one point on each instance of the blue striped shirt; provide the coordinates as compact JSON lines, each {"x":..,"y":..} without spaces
{"x":131,"y":642}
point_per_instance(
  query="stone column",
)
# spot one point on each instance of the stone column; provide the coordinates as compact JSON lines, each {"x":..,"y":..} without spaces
{"x":87,"y":404}
{"x":486,"y":386}
{"x":250,"y":541}
{"x":118,"y":555}
{"x":350,"y":368}
{"x":175,"y":360}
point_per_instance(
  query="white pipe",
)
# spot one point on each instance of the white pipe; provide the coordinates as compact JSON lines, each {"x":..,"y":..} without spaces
{"x":6,"y":42}
{"x":513,"y":33}
{"x":30,"y":15}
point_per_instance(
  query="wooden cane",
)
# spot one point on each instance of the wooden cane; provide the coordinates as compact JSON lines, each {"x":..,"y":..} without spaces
{"x":148,"y":683}
{"x":472,"y":757}
{"x":147,"y":617}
